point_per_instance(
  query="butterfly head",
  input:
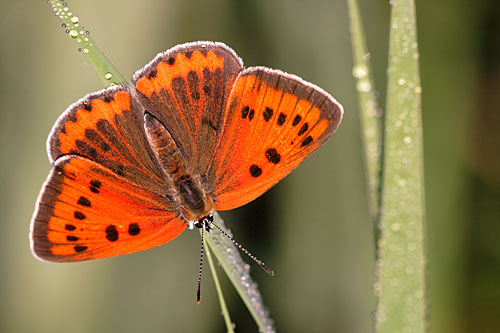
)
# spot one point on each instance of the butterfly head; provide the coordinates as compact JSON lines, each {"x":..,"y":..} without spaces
{"x":205,"y":223}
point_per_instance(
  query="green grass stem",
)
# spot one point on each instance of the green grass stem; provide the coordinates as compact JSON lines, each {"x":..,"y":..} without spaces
{"x":71,"y":24}
{"x":401,"y":265}
{"x":370,"y":111}
{"x":238,"y":272}
{"x":220,"y":294}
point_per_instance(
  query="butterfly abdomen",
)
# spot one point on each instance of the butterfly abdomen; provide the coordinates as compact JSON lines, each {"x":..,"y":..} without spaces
{"x":189,"y":193}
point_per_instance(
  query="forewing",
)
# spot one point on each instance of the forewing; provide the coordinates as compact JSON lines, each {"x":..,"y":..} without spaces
{"x":107,"y":128}
{"x":274,"y":121}
{"x":186,"y":89}
{"x":86,"y":211}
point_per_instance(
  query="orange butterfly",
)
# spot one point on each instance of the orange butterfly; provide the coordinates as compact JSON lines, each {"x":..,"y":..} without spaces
{"x":194,"y":131}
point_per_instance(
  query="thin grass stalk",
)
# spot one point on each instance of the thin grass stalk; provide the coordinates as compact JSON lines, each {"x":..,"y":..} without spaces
{"x":370,"y":111}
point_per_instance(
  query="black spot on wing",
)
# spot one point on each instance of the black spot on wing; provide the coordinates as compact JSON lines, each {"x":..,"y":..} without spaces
{"x":244,"y":112}
{"x":79,"y":216}
{"x":95,"y":185}
{"x":273,"y":156}
{"x":296,"y":120}
{"x":255,"y":171}
{"x":307,"y":141}
{"x":303,"y":129}
{"x":268,"y":113}
{"x":281,"y":119}
{"x":84,"y":201}
{"x":80,"y":248}
{"x":133,"y":229}
{"x":111,"y":233}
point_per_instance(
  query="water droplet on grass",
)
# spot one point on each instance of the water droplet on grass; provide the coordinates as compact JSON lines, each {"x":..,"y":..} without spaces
{"x":360,"y":71}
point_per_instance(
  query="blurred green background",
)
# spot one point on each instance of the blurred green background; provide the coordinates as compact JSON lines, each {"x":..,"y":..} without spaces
{"x":313,"y":228}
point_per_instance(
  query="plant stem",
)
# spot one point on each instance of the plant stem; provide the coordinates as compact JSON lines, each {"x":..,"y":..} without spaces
{"x":106,"y":71}
{"x":237,"y":270}
{"x":220,"y":294}
{"x":401,"y":267}
{"x":370,"y":111}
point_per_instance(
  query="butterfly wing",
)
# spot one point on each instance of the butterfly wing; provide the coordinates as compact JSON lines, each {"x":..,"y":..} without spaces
{"x":274,"y":121}
{"x":107,"y":128}
{"x":105,"y":195}
{"x":86,"y":211}
{"x":186,"y":89}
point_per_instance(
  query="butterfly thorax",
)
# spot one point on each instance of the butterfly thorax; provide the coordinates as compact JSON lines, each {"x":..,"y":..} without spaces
{"x":186,"y":187}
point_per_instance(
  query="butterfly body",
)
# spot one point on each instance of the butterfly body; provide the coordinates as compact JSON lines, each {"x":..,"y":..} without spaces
{"x":187,"y":187}
{"x":193,"y":131}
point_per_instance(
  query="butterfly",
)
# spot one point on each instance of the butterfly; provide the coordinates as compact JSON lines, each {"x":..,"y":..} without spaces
{"x":133,"y":165}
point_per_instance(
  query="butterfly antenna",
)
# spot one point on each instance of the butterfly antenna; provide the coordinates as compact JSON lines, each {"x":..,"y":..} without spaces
{"x":260,"y":263}
{"x":198,"y":290}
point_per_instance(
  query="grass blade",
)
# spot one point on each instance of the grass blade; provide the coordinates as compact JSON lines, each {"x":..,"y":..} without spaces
{"x":370,"y":112}
{"x":401,"y":265}
{"x":106,"y":71}
{"x":220,"y":294}
{"x":237,"y":270}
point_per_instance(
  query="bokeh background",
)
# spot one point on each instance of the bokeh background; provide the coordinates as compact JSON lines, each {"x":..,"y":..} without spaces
{"x":313,"y":228}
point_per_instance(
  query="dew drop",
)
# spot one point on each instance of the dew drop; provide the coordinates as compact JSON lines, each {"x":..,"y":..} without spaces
{"x":108,"y":76}
{"x":85,"y":50}
{"x":401,"y":81}
{"x":73,"y":33}
{"x":364,"y":85}
{"x":74,"y":19}
{"x":360,"y":71}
